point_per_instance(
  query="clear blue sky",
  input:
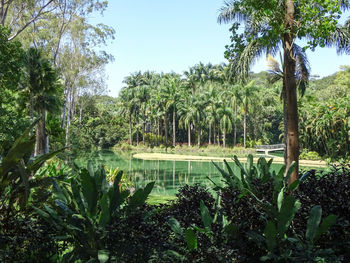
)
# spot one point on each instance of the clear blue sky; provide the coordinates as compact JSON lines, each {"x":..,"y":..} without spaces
{"x":165,"y":35}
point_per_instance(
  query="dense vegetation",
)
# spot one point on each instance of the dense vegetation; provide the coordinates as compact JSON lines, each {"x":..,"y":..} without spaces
{"x":75,"y":215}
{"x":53,"y":103}
{"x":206,"y":107}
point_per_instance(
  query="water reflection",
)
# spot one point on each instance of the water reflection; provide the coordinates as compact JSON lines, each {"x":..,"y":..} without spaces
{"x":168,"y":175}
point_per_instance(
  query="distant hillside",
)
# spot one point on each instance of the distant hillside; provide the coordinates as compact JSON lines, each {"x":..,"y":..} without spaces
{"x":320,"y":84}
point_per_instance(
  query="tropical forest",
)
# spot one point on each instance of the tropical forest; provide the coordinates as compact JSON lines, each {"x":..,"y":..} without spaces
{"x":154,"y":131}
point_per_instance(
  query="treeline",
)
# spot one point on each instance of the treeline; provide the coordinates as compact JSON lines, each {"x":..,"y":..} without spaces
{"x":48,"y":63}
{"x":203,"y":106}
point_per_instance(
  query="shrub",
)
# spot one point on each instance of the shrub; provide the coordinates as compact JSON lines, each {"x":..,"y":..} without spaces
{"x":309,"y":155}
{"x":81,"y":213}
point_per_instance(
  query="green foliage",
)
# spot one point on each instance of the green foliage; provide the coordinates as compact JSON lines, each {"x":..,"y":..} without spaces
{"x":99,"y":127}
{"x":278,"y":212}
{"x":12,"y":117}
{"x":11,"y":61}
{"x":309,"y":155}
{"x":82,"y":211}
{"x":17,"y":170}
{"x":325,"y":127}
{"x":125,"y":182}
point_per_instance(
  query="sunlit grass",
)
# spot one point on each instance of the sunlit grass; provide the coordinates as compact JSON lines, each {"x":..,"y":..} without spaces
{"x":159,"y":199}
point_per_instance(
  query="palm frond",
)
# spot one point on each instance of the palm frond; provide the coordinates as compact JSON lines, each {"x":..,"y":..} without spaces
{"x":340,"y":39}
{"x":231,"y":11}
{"x":302,"y":71}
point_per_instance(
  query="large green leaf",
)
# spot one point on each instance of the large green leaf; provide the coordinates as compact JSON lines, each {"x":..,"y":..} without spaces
{"x":105,"y":214}
{"x":326,"y":224}
{"x":117,"y":179}
{"x":270,"y":233}
{"x":117,"y":199}
{"x":191,"y":239}
{"x":313,"y":222}
{"x":22,"y":146}
{"x":64,"y":208}
{"x":10,"y":161}
{"x":228,"y":179}
{"x":103,"y":256}
{"x":88,"y":188}
{"x":206,"y":218}
{"x":77,"y":197}
{"x":288,"y":209}
{"x":140,"y":196}
{"x":100,"y":179}
{"x":280,"y":199}
{"x":58,"y":192}
{"x":39,"y":161}
{"x":175,"y":226}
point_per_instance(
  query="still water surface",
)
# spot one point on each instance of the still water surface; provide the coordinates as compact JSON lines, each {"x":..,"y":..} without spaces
{"x":168,"y":175}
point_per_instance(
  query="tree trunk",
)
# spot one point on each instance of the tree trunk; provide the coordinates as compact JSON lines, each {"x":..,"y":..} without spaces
{"x":285,"y":122}
{"x":199,"y":136}
{"x":137,"y":136}
{"x":47,"y":144}
{"x":64,"y":110}
{"x":166,"y":128}
{"x":174,"y":129}
{"x":40,"y":138}
{"x":214,"y":131}
{"x":158,"y":132}
{"x":209,"y":142}
{"x":68,"y":122}
{"x":80,"y":115}
{"x":189,"y":135}
{"x":291,"y":92}
{"x":235,"y":127}
{"x":219,"y":138}
{"x":245,"y":126}
{"x":31,"y":106}
{"x":130,"y":129}
{"x":143,"y":132}
{"x":224,"y":138}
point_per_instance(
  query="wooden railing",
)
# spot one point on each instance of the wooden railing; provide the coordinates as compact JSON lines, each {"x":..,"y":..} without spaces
{"x":269,"y":148}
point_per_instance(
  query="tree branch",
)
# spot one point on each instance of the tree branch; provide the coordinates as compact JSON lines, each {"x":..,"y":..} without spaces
{"x":30,"y":21}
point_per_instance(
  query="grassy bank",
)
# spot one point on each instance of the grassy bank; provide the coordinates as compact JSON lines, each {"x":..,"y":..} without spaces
{"x":206,"y":150}
{"x":179,"y":157}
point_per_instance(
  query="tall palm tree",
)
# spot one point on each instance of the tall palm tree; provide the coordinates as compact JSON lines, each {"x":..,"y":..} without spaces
{"x":269,"y":26}
{"x":248,"y":95}
{"x":302,"y":75}
{"x":187,"y":112}
{"x":211,"y":111}
{"x":45,"y":93}
{"x":171,"y":93}
{"x":226,"y":116}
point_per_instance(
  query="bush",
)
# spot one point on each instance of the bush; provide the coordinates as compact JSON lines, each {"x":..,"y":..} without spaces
{"x":309,"y":155}
{"x":25,"y":238}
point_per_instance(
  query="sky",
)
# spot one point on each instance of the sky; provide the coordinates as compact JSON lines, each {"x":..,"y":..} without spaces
{"x":169,"y":35}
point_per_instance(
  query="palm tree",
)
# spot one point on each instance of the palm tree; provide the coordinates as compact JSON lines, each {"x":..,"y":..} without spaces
{"x":226,"y":116}
{"x":143,"y":95}
{"x":187,"y":112}
{"x":45,"y":92}
{"x":171,"y":93}
{"x":302,"y":75}
{"x":269,"y":26}
{"x":211,"y":111}
{"x":199,"y":104}
{"x":126,"y":107}
{"x":248,"y":92}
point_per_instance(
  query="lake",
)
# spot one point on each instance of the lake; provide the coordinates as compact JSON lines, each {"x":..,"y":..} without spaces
{"x":168,"y":175}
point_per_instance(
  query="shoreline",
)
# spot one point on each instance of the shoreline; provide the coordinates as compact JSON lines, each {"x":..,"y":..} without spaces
{"x":198,"y":158}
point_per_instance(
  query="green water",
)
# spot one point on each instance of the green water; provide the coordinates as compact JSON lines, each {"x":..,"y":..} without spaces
{"x":168,"y":175}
